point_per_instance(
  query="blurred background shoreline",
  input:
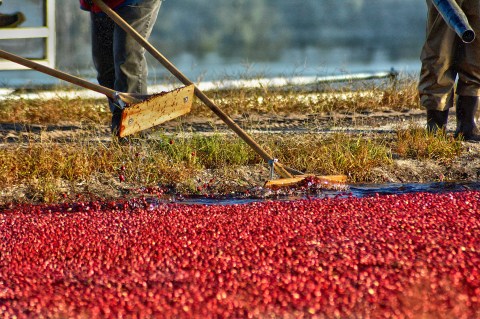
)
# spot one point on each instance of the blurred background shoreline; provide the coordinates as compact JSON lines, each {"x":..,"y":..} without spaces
{"x":217,"y":39}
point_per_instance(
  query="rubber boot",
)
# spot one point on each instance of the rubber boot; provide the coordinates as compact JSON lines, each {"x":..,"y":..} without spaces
{"x":115,"y":127}
{"x":437,"y":120}
{"x":11,"y":20}
{"x":116,"y":120}
{"x":467,"y":107}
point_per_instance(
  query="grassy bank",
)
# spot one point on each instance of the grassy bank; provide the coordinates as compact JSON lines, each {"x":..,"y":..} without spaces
{"x":49,"y":170}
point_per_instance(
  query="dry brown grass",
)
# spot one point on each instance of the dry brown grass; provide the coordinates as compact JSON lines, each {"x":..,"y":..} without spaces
{"x":388,"y":94}
{"x":55,"y":111}
{"x":400,"y":94}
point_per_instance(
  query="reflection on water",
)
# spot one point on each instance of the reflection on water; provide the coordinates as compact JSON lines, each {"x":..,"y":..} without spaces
{"x":364,"y":190}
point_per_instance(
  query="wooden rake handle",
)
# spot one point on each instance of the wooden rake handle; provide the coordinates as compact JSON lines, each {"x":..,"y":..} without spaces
{"x":57,"y":74}
{"x":67,"y":77}
{"x":279,"y":168}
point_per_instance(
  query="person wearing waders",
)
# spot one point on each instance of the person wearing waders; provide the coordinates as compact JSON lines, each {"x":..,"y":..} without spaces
{"x":118,"y":59}
{"x":446,"y":61}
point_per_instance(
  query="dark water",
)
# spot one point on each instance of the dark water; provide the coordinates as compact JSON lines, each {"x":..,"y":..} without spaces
{"x":396,"y":189}
{"x":361,"y":190}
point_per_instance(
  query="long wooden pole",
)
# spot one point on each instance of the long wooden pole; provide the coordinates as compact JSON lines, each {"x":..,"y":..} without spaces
{"x":279,"y":168}
{"x":67,"y":77}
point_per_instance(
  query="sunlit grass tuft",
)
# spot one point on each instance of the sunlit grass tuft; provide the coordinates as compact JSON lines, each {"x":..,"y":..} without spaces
{"x":399,"y":94}
{"x":417,"y":143}
{"x":338,"y":154}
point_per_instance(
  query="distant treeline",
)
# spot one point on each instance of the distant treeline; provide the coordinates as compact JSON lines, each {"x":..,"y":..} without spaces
{"x":262,"y":29}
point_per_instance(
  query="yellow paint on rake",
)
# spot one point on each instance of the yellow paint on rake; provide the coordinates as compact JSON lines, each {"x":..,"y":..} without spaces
{"x":287,"y":182}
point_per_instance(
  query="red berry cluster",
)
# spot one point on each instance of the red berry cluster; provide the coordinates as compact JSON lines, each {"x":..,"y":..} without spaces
{"x":402,"y":256}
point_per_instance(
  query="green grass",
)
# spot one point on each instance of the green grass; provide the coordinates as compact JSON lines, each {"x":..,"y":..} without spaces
{"x":338,"y":154}
{"x":165,"y":160}
{"x":417,"y":143}
{"x":47,"y":167}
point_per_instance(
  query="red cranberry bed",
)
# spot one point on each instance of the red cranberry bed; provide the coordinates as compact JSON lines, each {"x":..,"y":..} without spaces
{"x":402,"y":256}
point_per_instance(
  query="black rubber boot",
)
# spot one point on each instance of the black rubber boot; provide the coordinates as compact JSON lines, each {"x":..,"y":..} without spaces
{"x":437,"y":120}
{"x":115,"y":128}
{"x":467,"y":107}
{"x":116,"y":121}
{"x":11,"y":20}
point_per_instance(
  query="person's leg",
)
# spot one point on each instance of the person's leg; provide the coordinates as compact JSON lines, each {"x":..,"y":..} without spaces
{"x":438,"y":71}
{"x":130,"y":63}
{"x":103,"y":60}
{"x":468,"y":87}
{"x":102,"y":49}
{"x":467,"y":107}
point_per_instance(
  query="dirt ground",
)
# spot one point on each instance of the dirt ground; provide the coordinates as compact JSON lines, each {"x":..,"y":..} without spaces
{"x":379,"y":124}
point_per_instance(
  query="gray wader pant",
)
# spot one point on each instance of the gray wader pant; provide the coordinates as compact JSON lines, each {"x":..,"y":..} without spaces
{"x":119,"y":59}
{"x":445,"y":59}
